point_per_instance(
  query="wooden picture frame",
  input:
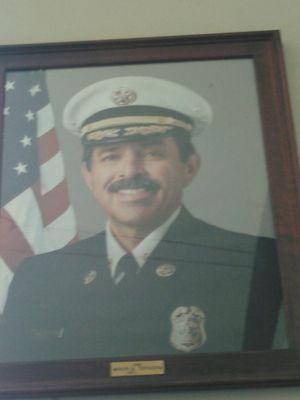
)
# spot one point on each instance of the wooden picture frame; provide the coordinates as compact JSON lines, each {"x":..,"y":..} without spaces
{"x":258,"y":367}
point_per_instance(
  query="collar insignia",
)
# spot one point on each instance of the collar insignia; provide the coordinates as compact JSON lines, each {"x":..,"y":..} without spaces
{"x":90,"y":277}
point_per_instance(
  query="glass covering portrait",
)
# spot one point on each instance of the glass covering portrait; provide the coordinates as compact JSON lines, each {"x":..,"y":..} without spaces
{"x":136,"y":215}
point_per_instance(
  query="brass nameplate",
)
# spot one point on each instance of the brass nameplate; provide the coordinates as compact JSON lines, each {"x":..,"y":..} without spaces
{"x":136,"y":368}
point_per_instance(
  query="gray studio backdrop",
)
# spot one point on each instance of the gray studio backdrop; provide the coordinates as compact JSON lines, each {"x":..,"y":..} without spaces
{"x":231,"y":189}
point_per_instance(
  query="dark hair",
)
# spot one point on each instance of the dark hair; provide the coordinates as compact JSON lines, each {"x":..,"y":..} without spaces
{"x":184,"y":145}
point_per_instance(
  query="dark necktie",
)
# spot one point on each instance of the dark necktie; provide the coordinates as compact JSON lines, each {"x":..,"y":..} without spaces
{"x":128,"y":267}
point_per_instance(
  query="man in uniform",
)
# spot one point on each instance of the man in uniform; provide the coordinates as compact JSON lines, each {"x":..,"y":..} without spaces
{"x":158,"y":280}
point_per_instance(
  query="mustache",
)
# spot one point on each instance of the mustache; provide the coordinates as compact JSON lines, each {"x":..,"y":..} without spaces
{"x":136,"y":182}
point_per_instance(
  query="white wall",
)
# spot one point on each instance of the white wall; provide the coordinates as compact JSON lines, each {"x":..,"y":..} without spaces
{"x":37,"y":21}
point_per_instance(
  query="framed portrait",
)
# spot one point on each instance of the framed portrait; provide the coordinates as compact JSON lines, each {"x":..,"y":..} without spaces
{"x":150,"y":229}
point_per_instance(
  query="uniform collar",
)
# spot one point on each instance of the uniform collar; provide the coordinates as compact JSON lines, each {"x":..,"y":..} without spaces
{"x":143,"y":250}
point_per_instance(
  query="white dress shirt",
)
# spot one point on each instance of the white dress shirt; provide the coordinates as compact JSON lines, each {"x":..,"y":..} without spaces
{"x":141,"y":252}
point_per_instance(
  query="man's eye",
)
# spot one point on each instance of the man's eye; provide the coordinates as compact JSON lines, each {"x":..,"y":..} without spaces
{"x":108,"y":157}
{"x":154,"y":154}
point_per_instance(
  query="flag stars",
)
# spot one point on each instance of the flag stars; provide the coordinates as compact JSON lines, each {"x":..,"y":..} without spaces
{"x":10,"y":85}
{"x":26,"y":141}
{"x":34,"y":90}
{"x":6,"y":110}
{"x":21,"y":168}
{"x":29,"y":115}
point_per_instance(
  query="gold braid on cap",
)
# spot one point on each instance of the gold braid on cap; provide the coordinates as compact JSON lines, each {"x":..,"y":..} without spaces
{"x":132,"y":130}
{"x":158,"y":122}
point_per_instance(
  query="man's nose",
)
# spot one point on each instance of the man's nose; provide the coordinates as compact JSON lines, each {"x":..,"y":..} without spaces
{"x":132,"y":164}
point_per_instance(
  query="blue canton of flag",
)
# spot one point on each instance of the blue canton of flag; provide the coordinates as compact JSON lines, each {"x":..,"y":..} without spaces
{"x":25,"y":95}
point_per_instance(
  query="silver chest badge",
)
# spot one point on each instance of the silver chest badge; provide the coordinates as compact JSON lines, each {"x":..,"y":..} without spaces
{"x":165,"y":270}
{"x":188,"y":330}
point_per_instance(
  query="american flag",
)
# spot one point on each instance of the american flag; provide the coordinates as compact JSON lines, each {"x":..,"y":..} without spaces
{"x":36,"y":214}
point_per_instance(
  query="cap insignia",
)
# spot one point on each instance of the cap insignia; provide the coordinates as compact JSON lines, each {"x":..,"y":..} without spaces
{"x":123,"y":96}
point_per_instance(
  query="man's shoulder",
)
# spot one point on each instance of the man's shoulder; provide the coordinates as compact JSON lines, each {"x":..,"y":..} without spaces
{"x":74,"y":256}
{"x":190,"y":229}
{"x":94,"y":244}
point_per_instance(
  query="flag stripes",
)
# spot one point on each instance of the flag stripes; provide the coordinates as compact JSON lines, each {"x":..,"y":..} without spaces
{"x":36,"y":214}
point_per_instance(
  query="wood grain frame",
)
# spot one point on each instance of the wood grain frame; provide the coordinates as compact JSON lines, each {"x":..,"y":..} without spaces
{"x":278,"y":367}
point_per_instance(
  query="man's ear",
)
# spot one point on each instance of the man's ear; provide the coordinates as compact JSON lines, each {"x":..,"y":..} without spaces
{"x":86,"y":173}
{"x":191,"y":167}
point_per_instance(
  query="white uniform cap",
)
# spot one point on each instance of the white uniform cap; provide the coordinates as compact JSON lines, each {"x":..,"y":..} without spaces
{"x":133,"y":106}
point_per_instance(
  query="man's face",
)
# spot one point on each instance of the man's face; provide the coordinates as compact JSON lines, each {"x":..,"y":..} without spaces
{"x":139,"y":184}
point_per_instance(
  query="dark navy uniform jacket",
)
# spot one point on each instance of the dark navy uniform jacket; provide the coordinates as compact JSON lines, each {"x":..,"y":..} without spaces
{"x":55,"y":310}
